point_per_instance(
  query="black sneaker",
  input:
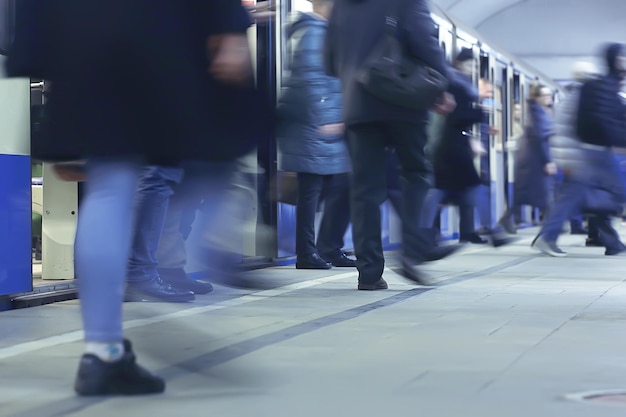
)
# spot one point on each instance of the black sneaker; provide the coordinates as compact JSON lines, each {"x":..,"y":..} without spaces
{"x":123,"y":377}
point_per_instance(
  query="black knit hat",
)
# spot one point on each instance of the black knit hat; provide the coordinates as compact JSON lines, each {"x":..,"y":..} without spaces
{"x":466,"y":54}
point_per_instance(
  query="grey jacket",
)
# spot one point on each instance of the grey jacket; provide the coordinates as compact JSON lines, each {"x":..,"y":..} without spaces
{"x":309,"y":100}
{"x":565,"y":145}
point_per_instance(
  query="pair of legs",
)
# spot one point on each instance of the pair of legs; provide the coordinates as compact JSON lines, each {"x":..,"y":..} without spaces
{"x":369,"y":189}
{"x":103,"y":244}
{"x":466,"y":201}
{"x":155,"y":188}
{"x":335,"y":220}
{"x":570,"y":202}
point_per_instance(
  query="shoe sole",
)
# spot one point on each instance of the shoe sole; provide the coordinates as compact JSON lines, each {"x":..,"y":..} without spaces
{"x":371,"y":287}
{"x":314,"y":267}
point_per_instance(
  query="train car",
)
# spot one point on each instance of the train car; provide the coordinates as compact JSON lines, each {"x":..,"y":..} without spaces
{"x":36,"y":247}
{"x":511,"y":79}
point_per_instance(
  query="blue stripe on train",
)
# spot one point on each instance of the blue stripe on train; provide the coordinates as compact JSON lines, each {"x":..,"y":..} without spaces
{"x":15,"y":225}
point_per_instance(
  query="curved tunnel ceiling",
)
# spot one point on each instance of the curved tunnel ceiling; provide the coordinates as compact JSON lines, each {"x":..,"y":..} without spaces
{"x":550,"y":35}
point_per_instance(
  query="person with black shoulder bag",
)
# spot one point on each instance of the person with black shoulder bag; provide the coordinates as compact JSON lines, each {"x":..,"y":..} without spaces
{"x":393,"y":72}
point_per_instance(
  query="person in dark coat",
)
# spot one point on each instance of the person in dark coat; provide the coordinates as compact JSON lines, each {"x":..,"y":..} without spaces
{"x":595,"y":115}
{"x":356,"y":27}
{"x":456,"y":177}
{"x":533,"y":163}
{"x":312,"y":143}
{"x":133,"y":83}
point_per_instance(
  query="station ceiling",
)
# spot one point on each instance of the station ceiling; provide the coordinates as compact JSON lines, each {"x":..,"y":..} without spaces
{"x":550,"y":35}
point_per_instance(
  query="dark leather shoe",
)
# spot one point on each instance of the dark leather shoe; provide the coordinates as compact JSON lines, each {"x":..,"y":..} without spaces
{"x":441,"y":252}
{"x":579,"y":231}
{"x":593,"y":242}
{"x":381,"y":284}
{"x":620,"y":250}
{"x":313,"y":261}
{"x":472,"y":238}
{"x":157,"y":290}
{"x":122,"y":377}
{"x":341,"y":261}
{"x":412,"y":273}
{"x":178,"y":279}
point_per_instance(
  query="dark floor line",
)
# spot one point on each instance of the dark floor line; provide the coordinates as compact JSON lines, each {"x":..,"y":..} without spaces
{"x":487,"y":271}
{"x":218,"y":357}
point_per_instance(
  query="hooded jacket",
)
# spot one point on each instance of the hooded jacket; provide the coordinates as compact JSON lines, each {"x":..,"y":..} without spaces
{"x":601,"y":111}
{"x":309,"y":100}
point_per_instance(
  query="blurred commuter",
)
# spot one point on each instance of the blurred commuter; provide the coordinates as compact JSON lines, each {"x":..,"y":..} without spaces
{"x":533,"y":163}
{"x":595,"y":116}
{"x":356,"y":27}
{"x":148,"y":100}
{"x":456,"y":177}
{"x":312,"y":142}
{"x":483,"y":203}
{"x":156,"y":185}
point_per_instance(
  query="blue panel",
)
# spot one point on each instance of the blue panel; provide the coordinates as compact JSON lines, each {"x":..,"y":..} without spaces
{"x":15,"y":223}
{"x":286,"y":230}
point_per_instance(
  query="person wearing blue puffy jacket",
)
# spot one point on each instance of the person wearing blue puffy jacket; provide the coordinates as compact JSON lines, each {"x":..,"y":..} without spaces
{"x":311,"y":142}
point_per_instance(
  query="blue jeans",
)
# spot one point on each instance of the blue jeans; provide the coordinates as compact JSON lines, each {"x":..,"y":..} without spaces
{"x":570,"y":202}
{"x":154,"y":189}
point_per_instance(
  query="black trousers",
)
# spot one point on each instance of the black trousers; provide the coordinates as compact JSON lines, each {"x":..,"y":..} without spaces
{"x":367,"y":143}
{"x":335,"y":219}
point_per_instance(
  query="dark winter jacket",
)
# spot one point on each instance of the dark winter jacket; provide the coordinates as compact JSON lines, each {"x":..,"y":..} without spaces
{"x":453,"y":156}
{"x":531,"y":181}
{"x":129,"y":78}
{"x":310,"y":99}
{"x":601,"y":112}
{"x":356,"y":27}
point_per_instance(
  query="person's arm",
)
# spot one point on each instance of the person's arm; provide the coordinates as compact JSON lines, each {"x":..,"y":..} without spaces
{"x":224,"y":16}
{"x":329,"y":49}
{"x":418,"y":31}
{"x":465,"y":113}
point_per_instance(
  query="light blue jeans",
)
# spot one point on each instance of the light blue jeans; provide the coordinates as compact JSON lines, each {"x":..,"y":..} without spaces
{"x":102,"y":246}
{"x":105,"y":229}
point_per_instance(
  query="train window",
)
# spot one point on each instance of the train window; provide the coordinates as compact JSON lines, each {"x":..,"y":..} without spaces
{"x":484,"y":66}
{"x":7,"y":9}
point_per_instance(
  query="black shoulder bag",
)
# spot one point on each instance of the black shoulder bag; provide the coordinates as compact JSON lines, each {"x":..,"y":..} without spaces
{"x":396,"y":77}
